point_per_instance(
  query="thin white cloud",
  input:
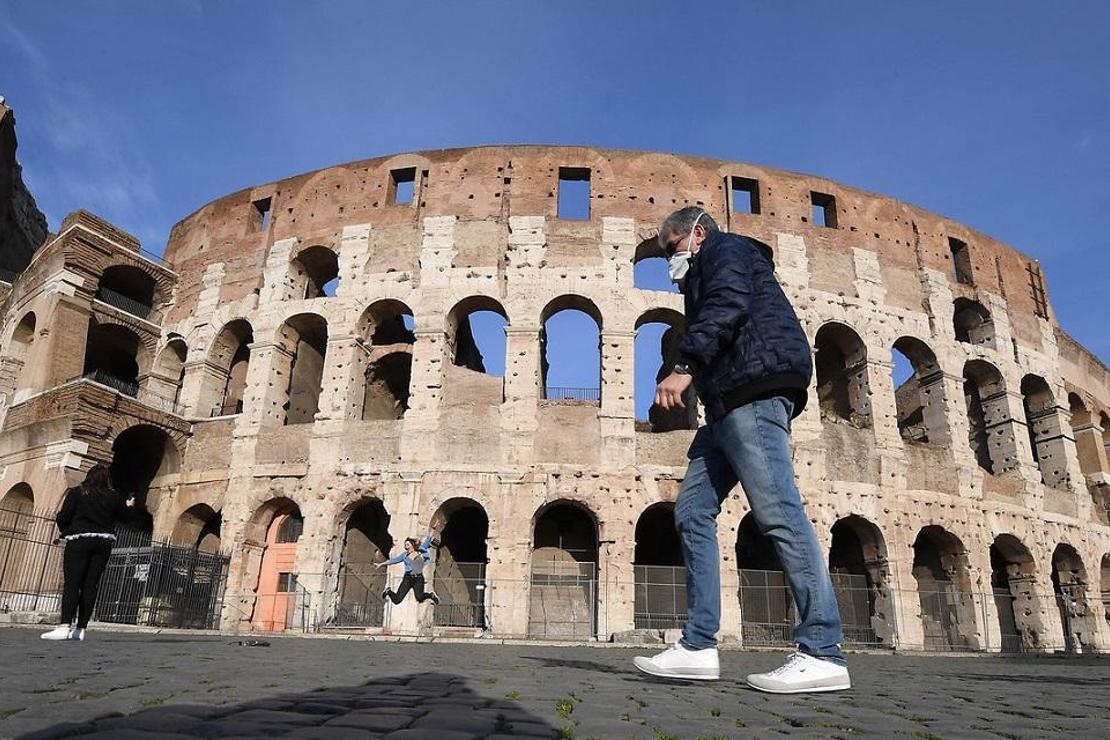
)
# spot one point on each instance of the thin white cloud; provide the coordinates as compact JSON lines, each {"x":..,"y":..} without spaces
{"x":96,"y":159}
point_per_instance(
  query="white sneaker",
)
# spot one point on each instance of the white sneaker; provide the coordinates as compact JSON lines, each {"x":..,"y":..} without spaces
{"x":77,"y":634}
{"x":802,"y":674}
{"x":680,"y":662}
{"x":58,"y":633}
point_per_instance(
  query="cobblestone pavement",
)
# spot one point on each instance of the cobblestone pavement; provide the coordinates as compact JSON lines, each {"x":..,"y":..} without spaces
{"x":129,"y":685}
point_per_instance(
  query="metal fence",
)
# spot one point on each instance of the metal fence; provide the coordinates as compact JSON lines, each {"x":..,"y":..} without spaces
{"x":146,"y":582}
{"x":461,"y":589}
{"x":565,"y":393}
{"x":122,"y":302}
{"x":660,"y":601}
{"x":358,"y":600}
{"x":562,"y":599}
{"x":131,"y":388}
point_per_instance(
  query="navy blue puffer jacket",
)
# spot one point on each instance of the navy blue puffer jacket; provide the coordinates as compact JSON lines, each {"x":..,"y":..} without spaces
{"x":743,"y":339}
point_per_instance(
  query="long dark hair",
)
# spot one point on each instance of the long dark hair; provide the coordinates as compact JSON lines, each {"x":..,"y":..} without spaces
{"x":98,"y":478}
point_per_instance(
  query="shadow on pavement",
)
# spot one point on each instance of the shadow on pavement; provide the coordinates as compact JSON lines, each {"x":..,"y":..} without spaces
{"x":431,"y":706}
{"x":584,"y":665}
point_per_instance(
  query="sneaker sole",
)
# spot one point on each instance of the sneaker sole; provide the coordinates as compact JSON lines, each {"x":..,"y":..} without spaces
{"x":678,"y":676}
{"x":810,"y":690}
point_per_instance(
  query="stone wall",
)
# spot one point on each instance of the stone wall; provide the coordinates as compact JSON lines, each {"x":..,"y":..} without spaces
{"x":482,"y":232}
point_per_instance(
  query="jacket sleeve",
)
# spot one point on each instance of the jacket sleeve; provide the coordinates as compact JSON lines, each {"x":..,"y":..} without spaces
{"x":395,"y":559}
{"x":69,"y":508}
{"x":727,"y":291}
{"x":427,"y":543}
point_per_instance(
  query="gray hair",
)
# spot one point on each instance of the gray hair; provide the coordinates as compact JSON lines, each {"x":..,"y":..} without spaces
{"x":682,"y":222}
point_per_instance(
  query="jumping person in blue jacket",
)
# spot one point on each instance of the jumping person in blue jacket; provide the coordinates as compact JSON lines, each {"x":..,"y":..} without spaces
{"x":414,"y":557}
{"x":749,"y":360}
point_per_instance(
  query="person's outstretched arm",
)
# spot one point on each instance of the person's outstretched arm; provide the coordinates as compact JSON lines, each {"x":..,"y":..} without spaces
{"x":392,"y":561}
{"x":424,"y":548}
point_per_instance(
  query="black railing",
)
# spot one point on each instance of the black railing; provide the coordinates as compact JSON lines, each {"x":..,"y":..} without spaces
{"x":155,"y":258}
{"x":228,"y":408}
{"x":578,"y":395}
{"x":131,"y":388}
{"x":122,"y":302}
{"x":146,"y":582}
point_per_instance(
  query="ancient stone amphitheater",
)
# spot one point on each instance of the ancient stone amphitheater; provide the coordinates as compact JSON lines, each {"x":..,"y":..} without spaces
{"x":295,"y":387}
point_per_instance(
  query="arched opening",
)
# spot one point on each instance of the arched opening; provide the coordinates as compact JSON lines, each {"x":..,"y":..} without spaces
{"x":305,"y":338}
{"x":111,"y":357}
{"x":139,"y":455}
{"x":1041,"y":422}
{"x":563,"y":602}
{"x":987,"y":417}
{"x":861,"y":576}
{"x":460,"y":564}
{"x":314,"y":273}
{"x":225,"y":382}
{"x":659,"y":333}
{"x":1069,"y":584}
{"x":918,"y":392}
{"x":198,"y":527}
{"x":1016,"y":598}
{"x":476,"y":344}
{"x":1088,"y":437}
{"x":940,"y":568}
{"x":127,"y":288}
{"x":658,"y":571}
{"x":972,"y":323}
{"x":570,"y":350}
{"x":366,"y":542}
{"x":19,"y":351}
{"x":387,"y":335}
{"x":841,"y":368}
{"x":22,"y":557}
{"x":169,"y":371}
{"x":649,"y":268}
{"x":277,"y":603}
{"x":766,"y":605}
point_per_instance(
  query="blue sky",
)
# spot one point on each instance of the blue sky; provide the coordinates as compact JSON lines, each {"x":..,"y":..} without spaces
{"x":996,"y":114}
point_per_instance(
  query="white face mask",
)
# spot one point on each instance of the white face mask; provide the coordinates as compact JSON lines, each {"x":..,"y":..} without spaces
{"x":679,"y":263}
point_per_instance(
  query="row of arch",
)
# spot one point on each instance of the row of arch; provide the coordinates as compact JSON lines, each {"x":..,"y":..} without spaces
{"x":1026,"y":604}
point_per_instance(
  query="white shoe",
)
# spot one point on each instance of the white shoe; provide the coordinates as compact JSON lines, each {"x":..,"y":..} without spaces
{"x":802,"y":674}
{"x":58,"y":633}
{"x":77,"y":634}
{"x":680,"y":662}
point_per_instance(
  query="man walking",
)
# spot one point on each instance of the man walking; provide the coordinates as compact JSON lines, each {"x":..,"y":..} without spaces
{"x":749,"y":361}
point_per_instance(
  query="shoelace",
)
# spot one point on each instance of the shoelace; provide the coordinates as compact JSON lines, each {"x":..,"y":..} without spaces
{"x":794,"y":658}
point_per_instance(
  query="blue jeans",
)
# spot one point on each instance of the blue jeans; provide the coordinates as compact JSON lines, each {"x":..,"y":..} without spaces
{"x":751,"y":445}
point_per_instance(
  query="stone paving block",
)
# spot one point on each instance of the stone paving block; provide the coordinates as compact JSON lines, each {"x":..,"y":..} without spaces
{"x":273,"y":717}
{"x":153,"y":721}
{"x":121,"y":733}
{"x":430,"y":734}
{"x":329,"y":733}
{"x":462,"y":720}
{"x":64,"y":729}
{"x":374,"y":721}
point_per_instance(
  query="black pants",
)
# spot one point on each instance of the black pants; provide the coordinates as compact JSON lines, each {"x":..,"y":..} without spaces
{"x":409,"y":581}
{"x":82,"y":565}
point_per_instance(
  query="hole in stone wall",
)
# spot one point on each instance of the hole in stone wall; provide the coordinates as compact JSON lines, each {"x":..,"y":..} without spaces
{"x":823,"y":210}
{"x":570,"y":351}
{"x":745,"y":195}
{"x":658,"y":336}
{"x":961,"y":261}
{"x":260,"y":213}
{"x":574,"y":193}
{"x":402,"y":185}
{"x":841,"y":368}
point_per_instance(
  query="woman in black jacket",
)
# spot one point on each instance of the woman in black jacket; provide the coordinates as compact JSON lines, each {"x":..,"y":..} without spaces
{"x":87,"y":521}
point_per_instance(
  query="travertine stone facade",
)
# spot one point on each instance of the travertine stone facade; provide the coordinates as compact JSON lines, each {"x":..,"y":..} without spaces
{"x":276,"y":394}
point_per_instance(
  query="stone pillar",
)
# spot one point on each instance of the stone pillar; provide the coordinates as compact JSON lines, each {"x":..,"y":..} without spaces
{"x":616,"y":582}
{"x":354,"y":252}
{"x":406,"y":520}
{"x":277,"y":282}
{"x":1090,"y":450}
{"x":341,"y":393}
{"x":522,"y":393}
{"x":267,"y":385}
{"x":618,"y":411}
{"x":880,"y":391}
{"x":426,"y":391}
{"x":728,"y":524}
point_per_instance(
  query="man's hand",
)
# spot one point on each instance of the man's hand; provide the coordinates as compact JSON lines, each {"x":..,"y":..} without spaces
{"x":668,"y":394}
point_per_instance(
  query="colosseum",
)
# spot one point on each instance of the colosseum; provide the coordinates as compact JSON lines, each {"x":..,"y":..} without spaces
{"x":295,"y":386}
